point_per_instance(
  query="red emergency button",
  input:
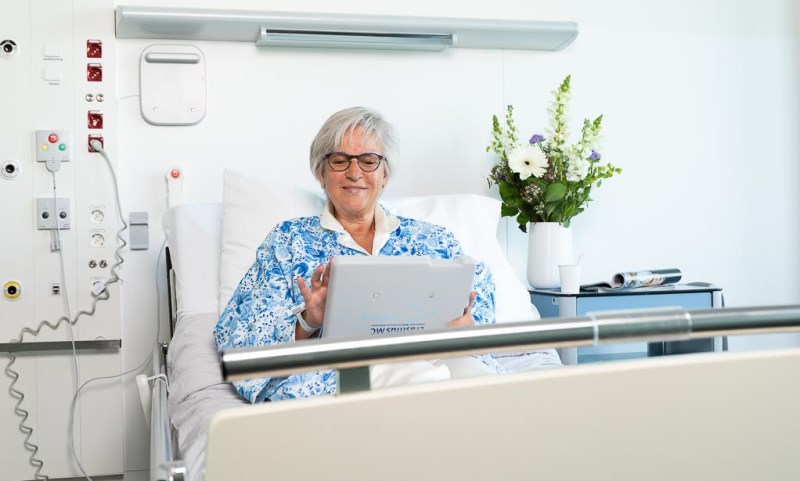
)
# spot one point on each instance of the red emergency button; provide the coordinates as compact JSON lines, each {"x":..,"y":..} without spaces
{"x":52,"y":138}
{"x":174,"y":173}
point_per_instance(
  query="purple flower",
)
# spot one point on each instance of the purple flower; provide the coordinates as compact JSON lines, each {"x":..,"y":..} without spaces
{"x":595,"y":155}
{"x":536,"y":139}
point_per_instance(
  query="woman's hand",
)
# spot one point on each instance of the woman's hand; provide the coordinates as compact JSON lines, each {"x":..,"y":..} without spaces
{"x":315,"y":296}
{"x":466,"y":319}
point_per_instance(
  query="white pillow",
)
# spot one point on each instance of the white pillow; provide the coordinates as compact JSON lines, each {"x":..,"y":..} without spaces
{"x":193,"y":234}
{"x":473,"y":220}
{"x":252,"y":207}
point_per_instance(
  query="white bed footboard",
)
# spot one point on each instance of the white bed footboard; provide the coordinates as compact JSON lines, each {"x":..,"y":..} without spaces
{"x":701,"y":417}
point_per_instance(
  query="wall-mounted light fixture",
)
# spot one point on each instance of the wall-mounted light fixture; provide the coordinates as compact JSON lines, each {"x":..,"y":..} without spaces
{"x":273,"y":37}
{"x":284,"y":29}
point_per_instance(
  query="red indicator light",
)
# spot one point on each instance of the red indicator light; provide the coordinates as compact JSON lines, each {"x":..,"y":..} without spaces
{"x":52,"y":138}
{"x":95,"y":119}
{"x":94,"y":72}
{"x":175,"y":173}
{"x":94,"y":49}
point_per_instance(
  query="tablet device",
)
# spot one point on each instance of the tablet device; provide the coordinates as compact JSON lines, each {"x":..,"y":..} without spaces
{"x":374,"y":295}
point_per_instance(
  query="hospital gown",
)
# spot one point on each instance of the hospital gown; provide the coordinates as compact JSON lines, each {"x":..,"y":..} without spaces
{"x":259,"y":312}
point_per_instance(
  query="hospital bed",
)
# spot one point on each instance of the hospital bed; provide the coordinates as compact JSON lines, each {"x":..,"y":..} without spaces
{"x":212,"y":245}
{"x":501,"y":427}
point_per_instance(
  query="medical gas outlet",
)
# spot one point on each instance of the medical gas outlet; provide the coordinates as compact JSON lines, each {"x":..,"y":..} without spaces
{"x":9,"y":169}
{"x":12,"y":290}
{"x":8,"y":48}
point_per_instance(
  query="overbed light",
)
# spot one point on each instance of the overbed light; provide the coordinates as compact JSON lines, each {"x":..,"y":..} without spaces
{"x":304,"y":29}
{"x":392,"y":41}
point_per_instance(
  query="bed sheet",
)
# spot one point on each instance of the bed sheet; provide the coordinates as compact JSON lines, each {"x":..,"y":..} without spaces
{"x":196,"y":388}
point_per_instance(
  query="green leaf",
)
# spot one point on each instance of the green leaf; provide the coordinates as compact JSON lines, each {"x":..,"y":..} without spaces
{"x":508,"y":210}
{"x":523,"y":219}
{"x":555,"y":192}
{"x":507,"y":192}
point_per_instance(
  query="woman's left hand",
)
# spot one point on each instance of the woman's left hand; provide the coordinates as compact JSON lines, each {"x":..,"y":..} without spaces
{"x":316,"y":296}
{"x":466,"y":319}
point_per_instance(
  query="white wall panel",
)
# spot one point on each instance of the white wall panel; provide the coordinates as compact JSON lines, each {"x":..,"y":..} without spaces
{"x":29,"y":103}
{"x":16,"y":257}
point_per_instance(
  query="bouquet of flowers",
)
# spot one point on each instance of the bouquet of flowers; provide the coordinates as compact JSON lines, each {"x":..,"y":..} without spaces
{"x":545,"y":179}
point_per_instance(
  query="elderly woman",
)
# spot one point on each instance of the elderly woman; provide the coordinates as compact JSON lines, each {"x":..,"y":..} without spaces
{"x":281,"y":299}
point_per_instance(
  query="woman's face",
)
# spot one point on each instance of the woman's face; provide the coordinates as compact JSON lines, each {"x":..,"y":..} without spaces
{"x":354,"y":193}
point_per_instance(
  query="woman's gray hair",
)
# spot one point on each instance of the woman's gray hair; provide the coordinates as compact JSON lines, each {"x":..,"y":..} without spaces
{"x":344,"y":123}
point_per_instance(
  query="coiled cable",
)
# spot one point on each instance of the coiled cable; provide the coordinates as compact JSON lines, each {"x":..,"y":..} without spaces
{"x":99,"y":294}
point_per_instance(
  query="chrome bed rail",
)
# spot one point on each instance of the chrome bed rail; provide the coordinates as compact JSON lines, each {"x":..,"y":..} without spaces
{"x":163,"y":464}
{"x":352,"y":357}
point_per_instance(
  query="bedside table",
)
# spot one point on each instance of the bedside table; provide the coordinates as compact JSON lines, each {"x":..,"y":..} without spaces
{"x":552,"y":303}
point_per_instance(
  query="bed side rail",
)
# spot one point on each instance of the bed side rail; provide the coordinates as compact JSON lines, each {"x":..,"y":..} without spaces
{"x":163,"y":464}
{"x":352,"y":357}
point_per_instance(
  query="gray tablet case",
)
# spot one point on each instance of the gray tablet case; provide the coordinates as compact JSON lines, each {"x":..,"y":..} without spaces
{"x":375,"y":295}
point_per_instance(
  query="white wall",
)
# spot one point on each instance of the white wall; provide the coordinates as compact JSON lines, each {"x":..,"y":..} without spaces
{"x":701,"y":111}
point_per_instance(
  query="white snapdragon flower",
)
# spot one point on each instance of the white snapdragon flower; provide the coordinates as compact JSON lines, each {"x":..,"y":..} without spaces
{"x":507,"y":143}
{"x":528,"y":160}
{"x":577,"y":168}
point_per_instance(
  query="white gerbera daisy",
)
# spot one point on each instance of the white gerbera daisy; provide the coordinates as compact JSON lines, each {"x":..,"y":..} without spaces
{"x":528,"y":160}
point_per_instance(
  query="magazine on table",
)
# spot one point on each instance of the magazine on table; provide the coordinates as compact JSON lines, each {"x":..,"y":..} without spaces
{"x":633,"y":279}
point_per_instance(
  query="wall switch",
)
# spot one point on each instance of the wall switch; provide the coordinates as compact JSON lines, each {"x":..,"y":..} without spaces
{"x":50,"y":214}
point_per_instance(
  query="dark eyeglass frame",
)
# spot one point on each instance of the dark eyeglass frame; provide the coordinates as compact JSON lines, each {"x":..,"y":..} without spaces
{"x":357,"y":158}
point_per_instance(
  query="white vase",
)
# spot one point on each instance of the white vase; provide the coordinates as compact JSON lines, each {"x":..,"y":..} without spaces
{"x":549,"y":244}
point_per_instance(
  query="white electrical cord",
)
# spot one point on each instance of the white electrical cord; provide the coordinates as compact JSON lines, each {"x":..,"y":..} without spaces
{"x":135,"y":369}
{"x":65,"y":295}
{"x":100,"y":293}
{"x":99,"y":148}
{"x":56,"y":246}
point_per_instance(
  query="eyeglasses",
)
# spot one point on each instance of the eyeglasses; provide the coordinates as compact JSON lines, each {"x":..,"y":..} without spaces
{"x":367,"y":162}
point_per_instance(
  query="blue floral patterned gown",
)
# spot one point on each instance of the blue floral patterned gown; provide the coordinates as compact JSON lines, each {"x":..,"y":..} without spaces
{"x":259,"y":312}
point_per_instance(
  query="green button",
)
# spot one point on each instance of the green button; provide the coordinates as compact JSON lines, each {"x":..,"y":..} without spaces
{"x":62,"y":147}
